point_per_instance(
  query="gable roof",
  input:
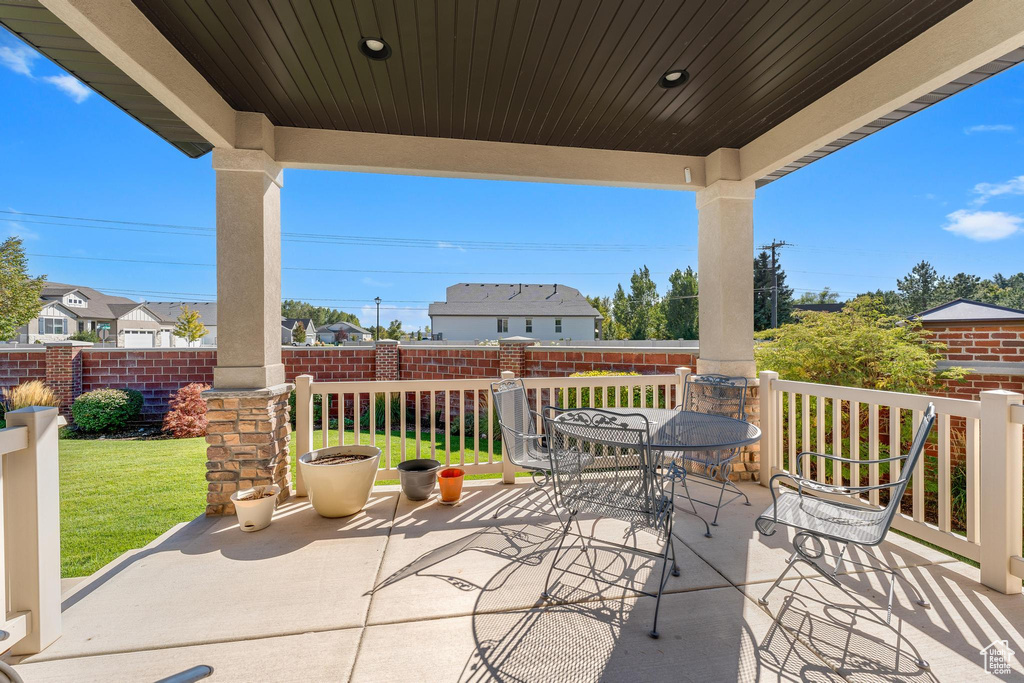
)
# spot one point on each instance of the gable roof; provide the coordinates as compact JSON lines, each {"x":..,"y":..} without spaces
{"x":168,"y":311}
{"x":97,"y":304}
{"x":342,"y":326}
{"x":289,"y":323}
{"x":475,"y":298}
{"x":965,"y":310}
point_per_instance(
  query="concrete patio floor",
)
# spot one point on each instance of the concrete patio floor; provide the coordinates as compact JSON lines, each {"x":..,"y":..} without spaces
{"x":425,"y":592}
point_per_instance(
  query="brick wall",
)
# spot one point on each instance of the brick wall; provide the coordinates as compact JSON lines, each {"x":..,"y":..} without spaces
{"x":156,"y":373}
{"x":329,"y":363}
{"x":1000,"y":343}
{"x":559,"y":362}
{"x":448,"y":363}
{"x":18,"y":367}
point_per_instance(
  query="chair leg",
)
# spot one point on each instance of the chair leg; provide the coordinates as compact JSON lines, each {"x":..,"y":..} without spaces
{"x":686,"y":492}
{"x":839,"y":562}
{"x":661,"y":583}
{"x":718,"y":508}
{"x":763,"y":600}
{"x":561,"y":541}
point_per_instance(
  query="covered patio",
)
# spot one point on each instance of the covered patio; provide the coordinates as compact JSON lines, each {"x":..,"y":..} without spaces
{"x":424,"y":592}
{"x":719,"y":99}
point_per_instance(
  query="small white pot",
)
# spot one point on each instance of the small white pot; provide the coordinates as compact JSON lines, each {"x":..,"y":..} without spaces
{"x":343,"y":489}
{"x":254,"y":515}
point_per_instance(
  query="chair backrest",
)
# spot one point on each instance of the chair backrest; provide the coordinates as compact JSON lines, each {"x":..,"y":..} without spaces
{"x":909,"y":461}
{"x":602,"y":463}
{"x":515,"y":418}
{"x":715,"y":395}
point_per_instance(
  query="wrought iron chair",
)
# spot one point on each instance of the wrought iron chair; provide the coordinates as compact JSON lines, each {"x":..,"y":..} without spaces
{"x":602,"y":464}
{"x":818,"y":519}
{"x":521,"y":443}
{"x":715,"y":395}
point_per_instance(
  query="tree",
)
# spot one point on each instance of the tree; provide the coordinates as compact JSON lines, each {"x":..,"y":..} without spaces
{"x":646,"y":320}
{"x":681,"y":305}
{"x":394,"y":331}
{"x":320,"y":315}
{"x":188,"y":326}
{"x":610,"y":328}
{"x":763,"y":282}
{"x":918,"y":288}
{"x":825,"y":296}
{"x":862,"y":346}
{"x":19,"y":293}
{"x":960,"y":286}
{"x":622,"y":312}
{"x":299,"y":333}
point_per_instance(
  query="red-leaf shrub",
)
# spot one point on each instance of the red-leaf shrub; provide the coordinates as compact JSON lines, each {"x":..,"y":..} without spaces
{"x":187,"y":416}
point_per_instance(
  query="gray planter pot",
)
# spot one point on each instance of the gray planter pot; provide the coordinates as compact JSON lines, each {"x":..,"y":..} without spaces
{"x":418,"y":477}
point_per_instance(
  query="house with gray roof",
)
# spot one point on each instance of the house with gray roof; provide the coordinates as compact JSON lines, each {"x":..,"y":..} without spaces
{"x":69,"y":309}
{"x":482,"y":311}
{"x":342,"y":331}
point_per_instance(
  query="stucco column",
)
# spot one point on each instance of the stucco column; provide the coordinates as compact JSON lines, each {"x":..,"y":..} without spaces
{"x":248,"y":270}
{"x":725,"y":258}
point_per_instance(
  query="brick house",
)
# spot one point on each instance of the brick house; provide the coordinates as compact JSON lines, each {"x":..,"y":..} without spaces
{"x":985,"y":338}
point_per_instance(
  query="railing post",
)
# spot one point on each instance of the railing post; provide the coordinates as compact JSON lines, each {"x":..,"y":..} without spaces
{"x":303,"y":425}
{"x":32,"y":528}
{"x":681,"y":374}
{"x":1001,"y":502}
{"x":771,"y":438}
{"x":508,"y":468}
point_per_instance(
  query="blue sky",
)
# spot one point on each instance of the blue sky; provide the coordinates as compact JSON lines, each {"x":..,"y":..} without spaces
{"x":946,"y":185}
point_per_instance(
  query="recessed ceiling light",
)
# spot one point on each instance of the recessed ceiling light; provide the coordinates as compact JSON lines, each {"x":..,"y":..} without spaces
{"x":674,"y":78}
{"x":375,"y":48}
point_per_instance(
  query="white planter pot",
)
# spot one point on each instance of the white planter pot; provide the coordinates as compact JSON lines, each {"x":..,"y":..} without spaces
{"x":343,"y":489}
{"x":254,"y":515}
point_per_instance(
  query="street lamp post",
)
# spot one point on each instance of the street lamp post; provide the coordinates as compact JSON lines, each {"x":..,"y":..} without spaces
{"x":376,"y":330}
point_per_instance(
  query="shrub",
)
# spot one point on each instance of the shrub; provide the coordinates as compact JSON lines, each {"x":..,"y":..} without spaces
{"x":33,"y":393}
{"x":86,"y":336}
{"x":106,"y":409}
{"x":607,"y":397}
{"x":187,"y":416}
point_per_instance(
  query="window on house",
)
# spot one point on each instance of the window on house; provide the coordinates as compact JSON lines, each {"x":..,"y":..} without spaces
{"x":529,"y":324}
{"x":52,"y":326}
{"x":73,"y":300}
{"x":502,"y":325}
{"x":558,"y":325}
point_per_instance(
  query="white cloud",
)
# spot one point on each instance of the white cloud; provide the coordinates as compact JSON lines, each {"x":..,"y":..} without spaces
{"x":991,"y":128}
{"x":986,"y":191}
{"x":18,"y":59}
{"x":376,"y":283}
{"x":71,"y":86}
{"x":983,"y":226}
{"x":449,"y":245}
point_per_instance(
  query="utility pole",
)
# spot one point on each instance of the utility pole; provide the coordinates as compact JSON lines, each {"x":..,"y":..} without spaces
{"x":775,"y":245}
{"x":376,"y":330}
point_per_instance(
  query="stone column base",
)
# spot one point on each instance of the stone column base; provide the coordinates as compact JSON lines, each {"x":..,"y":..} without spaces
{"x":247,"y":439}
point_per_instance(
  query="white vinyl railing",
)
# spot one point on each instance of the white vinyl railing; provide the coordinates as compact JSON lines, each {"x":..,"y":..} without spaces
{"x":430,"y":419}
{"x":978,"y":441}
{"x":29,"y":532}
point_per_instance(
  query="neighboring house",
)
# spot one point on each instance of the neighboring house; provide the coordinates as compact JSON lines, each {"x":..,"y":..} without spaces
{"x":288,"y":327}
{"x":170,"y":310}
{"x":475,"y":311}
{"x":342,"y":331}
{"x":69,"y":309}
{"x":986,"y":338}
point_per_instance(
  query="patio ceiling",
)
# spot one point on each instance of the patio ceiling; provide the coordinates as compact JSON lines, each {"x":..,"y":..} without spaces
{"x":562,"y":73}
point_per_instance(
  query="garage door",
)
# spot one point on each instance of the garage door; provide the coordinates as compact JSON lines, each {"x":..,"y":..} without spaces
{"x":135,"y":339}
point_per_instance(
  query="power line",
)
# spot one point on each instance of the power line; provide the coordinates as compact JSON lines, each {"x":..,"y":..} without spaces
{"x":352,"y":240}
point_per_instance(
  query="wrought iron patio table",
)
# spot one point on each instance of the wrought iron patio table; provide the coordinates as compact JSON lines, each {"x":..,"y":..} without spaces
{"x":674,"y":431}
{"x":684,"y":430}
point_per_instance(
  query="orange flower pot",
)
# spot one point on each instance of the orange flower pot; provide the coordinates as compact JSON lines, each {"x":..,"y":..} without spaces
{"x":450,"y":480}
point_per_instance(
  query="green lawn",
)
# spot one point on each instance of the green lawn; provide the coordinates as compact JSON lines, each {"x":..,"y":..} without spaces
{"x":116,"y":495}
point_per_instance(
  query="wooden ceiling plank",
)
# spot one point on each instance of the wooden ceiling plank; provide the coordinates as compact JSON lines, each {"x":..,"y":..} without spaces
{"x":660,"y":102}
{"x":643,"y":61}
{"x":531,"y":45}
{"x":401,"y":65}
{"x":429,"y":68}
{"x":359,"y":17}
{"x":295,"y":46}
{"x":343,"y":45}
{"x":502,"y":26}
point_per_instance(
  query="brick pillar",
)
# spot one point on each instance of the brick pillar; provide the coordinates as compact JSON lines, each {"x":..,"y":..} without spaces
{"x":64,"y":372}
{"x":247,"y":443}
{"x":386,"y":366}
{"x":748,"y":465}
{"x":512,"y":355}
